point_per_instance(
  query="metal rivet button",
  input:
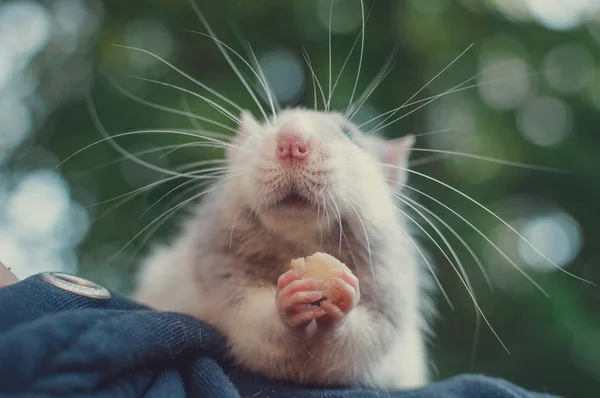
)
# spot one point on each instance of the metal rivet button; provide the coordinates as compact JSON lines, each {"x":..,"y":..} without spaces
{"x":75,"y":285}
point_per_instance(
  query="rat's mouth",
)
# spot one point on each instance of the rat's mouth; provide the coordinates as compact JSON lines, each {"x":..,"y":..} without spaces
{"x":294,"y":200}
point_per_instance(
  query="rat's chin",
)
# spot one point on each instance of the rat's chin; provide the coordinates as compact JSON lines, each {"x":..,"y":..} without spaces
{"x":291,"y":209}
{"x":292,"y":218}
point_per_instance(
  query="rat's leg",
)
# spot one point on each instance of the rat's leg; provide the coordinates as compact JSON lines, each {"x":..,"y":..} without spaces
{"x":351,"y":343}
{"x":266,"y":334}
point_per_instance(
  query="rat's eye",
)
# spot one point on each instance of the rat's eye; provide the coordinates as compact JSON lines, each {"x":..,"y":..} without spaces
{"x":347,"y":132}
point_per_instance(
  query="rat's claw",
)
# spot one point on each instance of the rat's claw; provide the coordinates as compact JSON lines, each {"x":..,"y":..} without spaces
{"x":333,"y":314}
{"x":287,"y":278}
{"x":293,"y":300}
{"x":345,"y":298}
{"x":351,"y":280}
{"x":299,"y":299}
{"x":304,"y":318}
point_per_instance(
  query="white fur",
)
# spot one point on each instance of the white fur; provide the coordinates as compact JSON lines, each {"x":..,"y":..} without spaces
{"x":181,"y":277}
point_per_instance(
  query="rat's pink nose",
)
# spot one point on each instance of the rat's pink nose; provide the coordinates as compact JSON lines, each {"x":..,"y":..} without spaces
{"x":292,"y":146}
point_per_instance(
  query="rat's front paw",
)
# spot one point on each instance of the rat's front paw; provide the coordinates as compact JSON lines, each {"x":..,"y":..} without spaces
{"x":296,"y":298}
{"x":344,"y":295}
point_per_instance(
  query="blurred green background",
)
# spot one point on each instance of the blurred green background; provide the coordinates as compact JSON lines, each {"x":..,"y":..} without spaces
{"x":536,"y":68}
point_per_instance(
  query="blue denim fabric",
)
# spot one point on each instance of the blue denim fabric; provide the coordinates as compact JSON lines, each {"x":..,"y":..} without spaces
{"x":54,"y":343}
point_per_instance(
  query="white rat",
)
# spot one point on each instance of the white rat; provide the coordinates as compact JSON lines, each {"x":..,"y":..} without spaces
{"x":302,"y":182}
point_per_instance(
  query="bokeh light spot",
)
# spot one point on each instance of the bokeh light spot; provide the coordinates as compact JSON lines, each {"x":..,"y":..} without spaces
{"x":505,"y":82}
{"x":545,"y":121}
{"x":15,"y":125}
{"x":284,"y":74}
{"x":150,"y":35}
{"x":345,"y":18}
{"x":515,"y":10}
{"x":569,"y":67}
{"x":556,"y":234}
{"x":561,"y":14}
{"x":39,"y":203}
{"x":24,"y":28}
{"x":450,"y":113}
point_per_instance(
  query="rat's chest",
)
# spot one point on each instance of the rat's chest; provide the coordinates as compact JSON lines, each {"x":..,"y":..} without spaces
{"x":265,"y":263}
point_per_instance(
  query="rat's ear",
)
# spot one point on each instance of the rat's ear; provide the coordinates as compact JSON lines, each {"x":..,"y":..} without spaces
{"x":246,"y":127}
{"x":396,"y":154}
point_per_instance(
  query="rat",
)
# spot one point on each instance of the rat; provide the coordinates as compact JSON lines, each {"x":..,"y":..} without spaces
{"x":299,"y":182}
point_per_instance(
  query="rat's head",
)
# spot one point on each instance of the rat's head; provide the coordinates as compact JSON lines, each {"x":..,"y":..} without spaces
{"x":306,"y":168}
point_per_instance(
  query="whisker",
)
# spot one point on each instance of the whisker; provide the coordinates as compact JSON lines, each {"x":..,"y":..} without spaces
{"x":457,"y":88}
{"x":116,"y":146}
{"x":189,"y":114}
{"x":510,"y":261}
{"x":124,"y":199}
{"x":229,"y":60}
{"x":464,"y":280}
{"x":171,"y":191}
{"x":254,"y":201}
{"x":182,"y":73}
{"x":136,"y":192}
{"x":185,"y":103}
{"x":456,"y":234}
{"x":440,"y":233}
{"x":195,"y":144}
{"x":130,"y":196}
{"x":429,"y":101}
{"x":237,"y":213}
{"x":425,"y":160}
{"x":325,"y":215}
{"x":477,"y":261}
{"x":362,"y":50}
{"x":429,"y":133}
{"x":348,"y":57}
{"x":381,"y":75}
{"x":261,"y":78}
{"x":352,"y":256}
{"x":429,"y":266}
{"x":275,"y":105}
{"x":339,"y":219}
{"x":364,"y":228}
{"x":128,"y":134}
{"x":490,"y":159}
{"x":133,"y":192}
{"x":495,"y":216}
{"x":475,"y":339}
{"x":121,"y":158}
{"x":210,"y":176}
{"x":251,"y":54}
{"x":330,"y":14}
{"x":212,"y":103}
{"x":312,"y":71}
{"x":194,"y":165}
{"x":170,"y":211}
{"x":428,"y":83}
{"x":156,"y":227}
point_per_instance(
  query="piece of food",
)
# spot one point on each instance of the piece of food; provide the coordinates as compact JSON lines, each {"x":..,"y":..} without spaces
{"x":320,"y":266}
